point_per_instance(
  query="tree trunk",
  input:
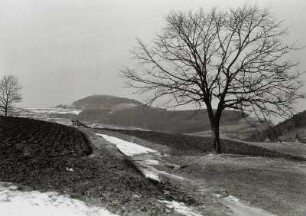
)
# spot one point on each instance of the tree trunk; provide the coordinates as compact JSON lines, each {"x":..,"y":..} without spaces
{"x":216,"y":137}
{"x":214,"y":124}
{"x":5,"y":111}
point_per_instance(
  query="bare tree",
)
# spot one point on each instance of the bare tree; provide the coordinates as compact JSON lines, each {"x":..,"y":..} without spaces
{"x":9,"y":92}
{"x":235,"y":59}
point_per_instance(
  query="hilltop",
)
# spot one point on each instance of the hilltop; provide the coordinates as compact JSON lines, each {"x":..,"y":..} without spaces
{"x":104,"y":102}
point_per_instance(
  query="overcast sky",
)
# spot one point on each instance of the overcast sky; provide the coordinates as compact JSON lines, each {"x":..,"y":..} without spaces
{"x":62,"y":50}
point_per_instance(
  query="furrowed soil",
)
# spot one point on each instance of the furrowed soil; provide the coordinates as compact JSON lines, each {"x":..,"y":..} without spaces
{"x":271,"y":180}
{"x":38,"y":155}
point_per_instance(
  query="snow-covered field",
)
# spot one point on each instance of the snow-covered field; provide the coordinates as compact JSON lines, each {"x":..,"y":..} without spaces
{"x":14,"y":202}
{"x":45,"y":114}
{"x":54,"y":110}
{"x":116,"y":127}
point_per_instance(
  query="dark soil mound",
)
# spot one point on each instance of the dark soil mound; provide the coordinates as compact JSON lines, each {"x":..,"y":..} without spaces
{"x":22,"y":137}
{"x":47,"y":156}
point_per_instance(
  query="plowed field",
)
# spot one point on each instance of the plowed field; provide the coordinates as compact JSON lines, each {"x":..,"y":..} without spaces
{"x":24,"y":137}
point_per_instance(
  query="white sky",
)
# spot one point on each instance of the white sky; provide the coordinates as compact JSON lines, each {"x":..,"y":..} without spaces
{"x":62,"y":50}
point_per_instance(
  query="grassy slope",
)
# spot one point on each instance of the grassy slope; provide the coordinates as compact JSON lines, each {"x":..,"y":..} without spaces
{"x":239,"y":130}
{"x":184,"y":121}
{"x":286,"y":130}
{"x":284,"y":147}
{"x":28,"y":157}
{"x":182,"y":144}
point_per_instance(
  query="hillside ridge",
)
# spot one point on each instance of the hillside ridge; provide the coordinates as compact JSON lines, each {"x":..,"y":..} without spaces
{"x":130,"y":113}
{"x":292,"y":129}
{"x":103,"y":102}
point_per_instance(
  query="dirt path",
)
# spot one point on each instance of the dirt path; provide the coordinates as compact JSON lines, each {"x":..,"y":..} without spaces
{"x":240,"y":209}
{"x":150,"y":160}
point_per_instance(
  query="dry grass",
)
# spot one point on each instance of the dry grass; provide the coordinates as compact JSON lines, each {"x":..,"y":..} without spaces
{"x":297,"y":149}
{"x":276,"y":185}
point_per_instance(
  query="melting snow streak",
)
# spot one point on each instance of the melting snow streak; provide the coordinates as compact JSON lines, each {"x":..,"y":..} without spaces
{"x":128,"y":148}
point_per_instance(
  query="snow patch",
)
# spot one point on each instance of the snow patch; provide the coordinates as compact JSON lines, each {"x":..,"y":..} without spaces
{"x":18,"y":203}
{"x":150,"y":174}
{"x":131,"y":149}
{"x":232,"y":198}
{"x":148,"y":162}
{"x":128,"y":148}
{"x":54,"y":110}
{"x":180,"y":208}
{"x":170,"y":175}
{"x":116,"y":127}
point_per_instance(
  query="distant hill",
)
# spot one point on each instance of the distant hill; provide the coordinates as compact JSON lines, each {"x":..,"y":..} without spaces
{"x":185,"y":121}
{"x":105,"y":102}
{"x":193,"y":122}
{"x":124,"y":112}
{"x":287,"y":130}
